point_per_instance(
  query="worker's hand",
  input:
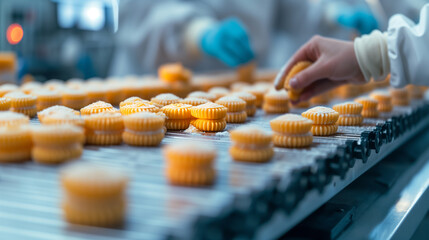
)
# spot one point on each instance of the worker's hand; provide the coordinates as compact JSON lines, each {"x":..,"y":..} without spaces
{"x":361,"y":20}
{"x":334,"y":63}
{"x":228,"y":42}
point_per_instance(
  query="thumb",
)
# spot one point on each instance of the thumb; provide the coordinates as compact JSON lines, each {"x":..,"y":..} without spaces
{"x":306,"y":77}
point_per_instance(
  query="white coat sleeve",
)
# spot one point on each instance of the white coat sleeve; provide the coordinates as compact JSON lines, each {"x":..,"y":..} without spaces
{"x":403,"y":51}
{"x":153,"y":32}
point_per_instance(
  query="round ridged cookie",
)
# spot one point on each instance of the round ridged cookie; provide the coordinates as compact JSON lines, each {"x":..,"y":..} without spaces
{"x":209,"y":111}
{"x":15,"y":136}
{"x":93,"y":181}
{"x":143,"y":138}
{"x":46,"y":155}
{"x":190,"y":154}
{"x":292,"y":141}
{"x":384,"y":107}
{"x":370,"y":113}
{"x":381,"y":96}
{"x":399,"y":93}
{"x":57,"y":135}
{"x":209,"y":125}
{"x":59,"y":118}
{"x":367,"y":103}
{"x":130,"y":101}
{"x":165,"y":99}
{"x":11,"y":118}
{"x":236,"y":117}
{"x":144,"y":121}
{"x":324,"y":130}
{"x":194,"y":101}
{"x":251,"y":135}
{"x":100,"y":215}
{"x":251,"y":155}
{"x":298,"y":67}
{"x":232,"y":103}
{"x":219,"y":91}
{"x":74,"y":98}
{"x":138,"y":107}
{"x":95,"y":93}
{"x":321,"y":115}
{"x":353,"y":108}
{"x":98,"y":107}
{"x":249,"y":98}
{"x":22,"y":103}
{"x":258,"y":93}
{"x":291,"y":124}
{"x":201,"y":94}
{"x":54,"y":110}
{"x":174,"y":72}
{"x":353,"y":120}
{"x":275,"y":109}
{"x":276,"y":98}
{"x":46,"y":98}
{"x":177,"y":124}
{"x":250,"y":111}
{"x":190,"y":177}
{"x":177,"y":111}
{"x":104,"y":128}
{"x":4,"y":104}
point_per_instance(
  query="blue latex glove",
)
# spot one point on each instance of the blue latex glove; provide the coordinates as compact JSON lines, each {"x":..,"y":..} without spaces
{"x":228,"y":42}
{"x":359,"y":19}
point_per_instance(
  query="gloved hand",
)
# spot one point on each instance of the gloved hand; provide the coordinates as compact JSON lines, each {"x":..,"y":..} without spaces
{"x":361,"y":20}
{"x":334,"y":63}
{"x":228,"y":42}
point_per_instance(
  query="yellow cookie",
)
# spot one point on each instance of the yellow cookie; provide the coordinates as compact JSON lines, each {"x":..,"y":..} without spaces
{"x":209,"y":111}
{"x":104,"y":128}
{"x":251,"y":155}
{"x":292,"y":141}
{"x":11,"y":118}
{"x":4,"y":104}
{"x":174,"y":72}
{"x":291,"y":124}
{"x":367,"y":103}
{"x":353,"y":108}
{"x":276,"y":98}
{"x":138,"y":107}
{"x":236,"y":117}
{"x":194,"y":101}
{"x":165,"y":99}
{"x":275,"y":109}
{"x":294,"y":93}
{"x":177,"y":111}
{"x":251,"y":136}
{"x":98,"y":107}
{"x":324,"y":130}
{"x":46,"y":98}
{"x":22,"y":103}
{"x":190,"y":155}
{"x":74,"y":98}
{"x":232,"y":103}
{"x":321,"y":115}
{"x":15,"y":143}
{"x":208,"y":125}
{"x":352,"y":120}
{"x":203,"y":95}
{"x":219,"y":92}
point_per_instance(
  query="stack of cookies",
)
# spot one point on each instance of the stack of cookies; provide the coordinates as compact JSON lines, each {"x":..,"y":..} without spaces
{"x":384,"y":100}
{"x":127,"y":108}
{"x":104,"y":128}
{"x":143,"y":129}
{"x":250,"y":100}
{"x":400,"y":97}
{"x":210,"y":117}
{"x":22,"y":103}
{"x":236,"y":109}
{"x":94,"y":195}
{"x":324,"y":120}
{"x":15,"y":142}
{"x":174,"y":73}
{"x":291,"y":131}
{"x":369,"y":107}
{"x":46,"y":98}
{"x":74,"y":98}
{"x":190,"y":163}
{"x":57,"y":143}
{"x":350,"y":113}
{"x":178,"y":116}
{"x":276,"y":102}
{"x":251,"y":144}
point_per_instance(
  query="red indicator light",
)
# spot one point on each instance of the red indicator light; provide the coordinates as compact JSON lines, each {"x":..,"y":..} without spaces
{"x":14,"y":33}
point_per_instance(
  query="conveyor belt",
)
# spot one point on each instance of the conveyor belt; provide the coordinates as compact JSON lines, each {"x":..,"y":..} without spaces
{"x":243,"y":198}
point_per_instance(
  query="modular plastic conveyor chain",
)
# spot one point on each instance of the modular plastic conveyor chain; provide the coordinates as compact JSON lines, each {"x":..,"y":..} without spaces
{"x":245,"y":198}
{"x":286,"y":195}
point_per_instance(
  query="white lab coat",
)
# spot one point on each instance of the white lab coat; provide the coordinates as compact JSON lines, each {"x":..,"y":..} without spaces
{"x":408,"y":49}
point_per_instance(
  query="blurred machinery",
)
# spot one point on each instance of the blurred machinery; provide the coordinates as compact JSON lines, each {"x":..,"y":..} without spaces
{"x":59,"y":38}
